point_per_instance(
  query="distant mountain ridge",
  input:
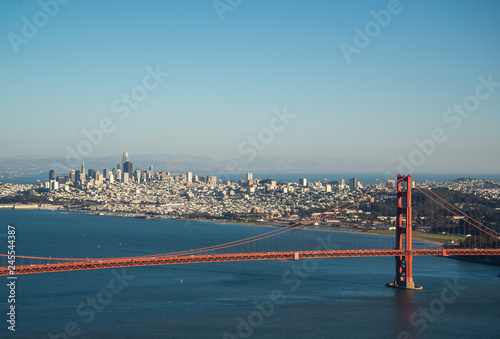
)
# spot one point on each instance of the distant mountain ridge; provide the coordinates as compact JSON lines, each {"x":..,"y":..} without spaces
{"x":23,"y":165}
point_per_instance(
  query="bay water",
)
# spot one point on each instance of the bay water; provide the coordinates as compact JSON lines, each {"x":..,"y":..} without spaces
{"x":327,"y":298}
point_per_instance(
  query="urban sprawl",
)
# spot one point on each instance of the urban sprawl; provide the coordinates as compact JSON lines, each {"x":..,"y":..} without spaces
{"x":127,"y":192}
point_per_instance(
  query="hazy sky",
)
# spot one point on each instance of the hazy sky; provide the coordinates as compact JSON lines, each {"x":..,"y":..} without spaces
{"x":360,"y":80}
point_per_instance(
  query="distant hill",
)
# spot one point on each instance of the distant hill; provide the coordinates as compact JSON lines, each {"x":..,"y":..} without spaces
{"x":27,"y":165}
{"x":181,"y":163}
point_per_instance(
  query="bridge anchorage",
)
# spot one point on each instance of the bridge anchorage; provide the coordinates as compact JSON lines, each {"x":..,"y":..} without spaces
{"x":404,"y":263}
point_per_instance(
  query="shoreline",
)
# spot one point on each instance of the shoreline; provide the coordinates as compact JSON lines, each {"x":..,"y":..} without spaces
{"x":272,"y":224}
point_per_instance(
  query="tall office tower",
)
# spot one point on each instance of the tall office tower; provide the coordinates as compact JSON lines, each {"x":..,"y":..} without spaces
{"x":106,"y":173}
{"x":125,"y":158}
{"x":118,"y":175}
{"x":111,"y":178}
{"x":128,"y":168}
{"x":125,"y":177}
{"x":52,"y":175}
{"x":119,"y":166}
{"x":189,"y":176}
{"x":72,"y":175}
{"x":91,"y":173}
{"x":150,"y":173}
{"x":303,"y":182}
{"x":137,"y":176}
{"x":353,"y":183}
{"x":249,"y":176}
{"x":83,"y":170}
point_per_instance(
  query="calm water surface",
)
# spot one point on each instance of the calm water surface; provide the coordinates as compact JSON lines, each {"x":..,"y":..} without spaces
{"x":332,"y":298}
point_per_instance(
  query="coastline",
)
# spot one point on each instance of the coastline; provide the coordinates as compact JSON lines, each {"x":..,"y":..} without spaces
{"x":61,"y":209}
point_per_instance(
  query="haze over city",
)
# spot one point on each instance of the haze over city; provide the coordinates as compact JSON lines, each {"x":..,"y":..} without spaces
{"x":369,"y":81}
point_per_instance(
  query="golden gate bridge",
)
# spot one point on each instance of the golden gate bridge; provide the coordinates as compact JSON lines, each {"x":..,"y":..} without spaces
{"x":466,"y":237}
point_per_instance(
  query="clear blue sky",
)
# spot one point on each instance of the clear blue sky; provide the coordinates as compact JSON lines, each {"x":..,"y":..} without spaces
{"x":226,"y":77}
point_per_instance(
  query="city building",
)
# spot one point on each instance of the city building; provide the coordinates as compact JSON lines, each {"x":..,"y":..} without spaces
{"x":137,"y":176}
{"x":341,"y":184}
{"x":82,"y":173}
{"x":125,"y":158}
{"x":212,"y":180}
{"x":53,"y":185}
{"x":99,"y":178}
{"x":128,"y":168}
{"x":106,"y":173}
{"x":118,"y":174}
{"x":353,"y":183}
{"x":72,"y":175}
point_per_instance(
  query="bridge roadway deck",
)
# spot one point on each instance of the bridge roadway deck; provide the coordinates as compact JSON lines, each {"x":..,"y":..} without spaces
{"x":90,"y":264}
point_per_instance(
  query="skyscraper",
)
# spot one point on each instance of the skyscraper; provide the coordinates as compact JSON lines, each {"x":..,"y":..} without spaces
{"x":106,"y":173}
{"x":128,"y":168}
{"x":71,"y":175}
{"x":83,"y":170}
{"x":125,"y":158}
{"x":353,"y":183}
{"x":137,"y":176}
{"x":118,"y":175}
{"x":52,"y":175}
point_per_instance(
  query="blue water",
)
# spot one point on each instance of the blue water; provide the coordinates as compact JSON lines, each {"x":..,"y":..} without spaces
{"x":332,"y":298}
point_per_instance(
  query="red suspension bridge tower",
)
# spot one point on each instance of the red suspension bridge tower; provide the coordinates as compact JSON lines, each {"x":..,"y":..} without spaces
{"x":404,"y":263}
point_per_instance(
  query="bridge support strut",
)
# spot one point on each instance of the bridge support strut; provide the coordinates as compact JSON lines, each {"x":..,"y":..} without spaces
{"x":404,"y":263}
